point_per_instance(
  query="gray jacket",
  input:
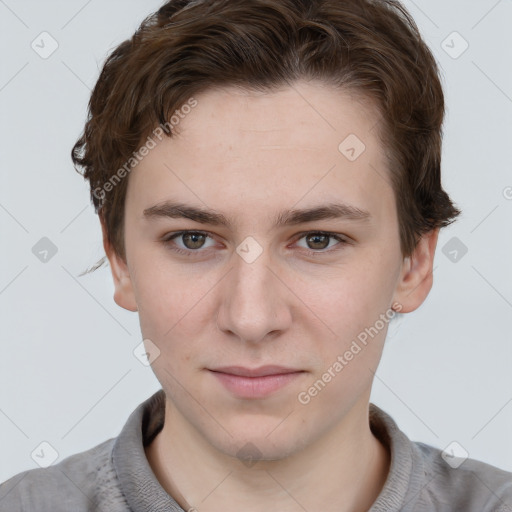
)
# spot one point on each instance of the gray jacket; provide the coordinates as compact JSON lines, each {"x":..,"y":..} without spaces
{"x":115,"y":476}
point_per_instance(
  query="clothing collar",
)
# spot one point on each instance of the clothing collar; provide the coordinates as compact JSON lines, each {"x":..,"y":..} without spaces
{"x":144,"y":493}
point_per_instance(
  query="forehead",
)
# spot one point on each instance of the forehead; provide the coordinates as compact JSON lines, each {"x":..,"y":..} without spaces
{"x":305,"y":142}
{"x":297,"y":113}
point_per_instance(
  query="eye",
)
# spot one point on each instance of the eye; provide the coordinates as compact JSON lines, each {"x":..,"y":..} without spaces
{"x":191,"y":241}
{"x":318,"y":241}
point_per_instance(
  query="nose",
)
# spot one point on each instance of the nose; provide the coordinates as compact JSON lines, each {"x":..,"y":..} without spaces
{"x":255,"y":304}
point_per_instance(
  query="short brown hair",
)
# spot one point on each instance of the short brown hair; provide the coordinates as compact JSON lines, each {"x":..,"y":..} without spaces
{"x":372,"y":48}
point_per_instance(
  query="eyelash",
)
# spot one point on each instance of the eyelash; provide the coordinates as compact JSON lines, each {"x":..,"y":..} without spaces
{"x":191,"y":252}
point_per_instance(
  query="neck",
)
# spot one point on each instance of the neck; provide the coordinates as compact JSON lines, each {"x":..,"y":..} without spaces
{"x":346,"y":469}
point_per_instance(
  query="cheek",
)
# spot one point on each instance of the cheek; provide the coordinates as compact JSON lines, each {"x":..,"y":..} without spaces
{"x":176,"y":311}
{"x":349,"y":298}
{"x":163,"y":298}
{"x":346,"y":371}
{"x":354,"y":309}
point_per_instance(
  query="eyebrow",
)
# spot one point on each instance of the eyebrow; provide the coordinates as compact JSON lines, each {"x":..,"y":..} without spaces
{"x":285,"y":218}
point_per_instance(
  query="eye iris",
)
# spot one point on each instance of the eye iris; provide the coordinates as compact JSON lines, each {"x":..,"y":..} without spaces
{"x":324,"y":240}
{"x":187,"y":237}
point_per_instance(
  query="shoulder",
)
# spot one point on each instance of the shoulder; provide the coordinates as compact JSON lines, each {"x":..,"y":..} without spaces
{"x":464,"y":483}
{"x":81,"y":482}
{"x":424,"y":478}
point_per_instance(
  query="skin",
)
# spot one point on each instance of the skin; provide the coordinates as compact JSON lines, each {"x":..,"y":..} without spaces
{"x":249,"y":156}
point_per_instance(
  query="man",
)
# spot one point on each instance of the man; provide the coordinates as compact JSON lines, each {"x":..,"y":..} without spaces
{"x":267,"y":176}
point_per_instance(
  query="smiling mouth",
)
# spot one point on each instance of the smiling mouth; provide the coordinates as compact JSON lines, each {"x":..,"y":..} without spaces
{"x":255,"y":382}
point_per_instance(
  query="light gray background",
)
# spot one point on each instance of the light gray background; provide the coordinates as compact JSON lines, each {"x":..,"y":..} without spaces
{"x":67,"y":372}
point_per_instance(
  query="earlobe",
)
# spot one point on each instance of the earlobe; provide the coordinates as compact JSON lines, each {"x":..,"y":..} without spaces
{"x":124,"y":295}
{"x":123,"y":288}
{"x":415,"y":281}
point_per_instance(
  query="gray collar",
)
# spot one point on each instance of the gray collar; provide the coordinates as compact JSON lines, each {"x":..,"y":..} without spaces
{"x":144,"y":493}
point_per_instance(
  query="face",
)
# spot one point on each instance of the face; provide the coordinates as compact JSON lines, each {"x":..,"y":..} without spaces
{"x":269,"y":322}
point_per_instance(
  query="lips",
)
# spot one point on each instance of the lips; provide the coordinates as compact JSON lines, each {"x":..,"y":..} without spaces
{"x":253,"y":383}
{"x":262,"y":371}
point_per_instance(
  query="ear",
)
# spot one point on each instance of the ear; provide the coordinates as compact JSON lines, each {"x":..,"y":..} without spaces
{"x":415,"y":281}
{"x":124,"y":295}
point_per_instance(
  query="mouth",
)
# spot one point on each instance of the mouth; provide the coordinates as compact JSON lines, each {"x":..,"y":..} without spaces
{"x":255,"y":382}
